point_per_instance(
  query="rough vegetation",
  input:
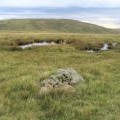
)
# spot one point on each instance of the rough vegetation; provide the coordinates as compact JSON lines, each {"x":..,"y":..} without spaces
{"x":12,"y":40}
{"x":22,"y":71}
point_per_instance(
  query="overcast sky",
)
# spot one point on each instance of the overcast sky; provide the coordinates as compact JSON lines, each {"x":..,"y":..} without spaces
{"x":60,"y":3}
{"x":102,"y":12}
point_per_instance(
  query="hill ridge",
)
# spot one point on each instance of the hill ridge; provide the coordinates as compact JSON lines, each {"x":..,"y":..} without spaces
{"x":52,"y":25}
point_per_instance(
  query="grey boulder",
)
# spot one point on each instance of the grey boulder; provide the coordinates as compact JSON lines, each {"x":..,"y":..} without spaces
{"x":63,"y":77}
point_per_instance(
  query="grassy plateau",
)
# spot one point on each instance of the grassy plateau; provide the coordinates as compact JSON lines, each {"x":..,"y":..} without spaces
{"x":22,"y":70}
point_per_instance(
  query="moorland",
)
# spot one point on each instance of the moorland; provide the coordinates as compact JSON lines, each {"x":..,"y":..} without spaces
{"x":22,"y":70}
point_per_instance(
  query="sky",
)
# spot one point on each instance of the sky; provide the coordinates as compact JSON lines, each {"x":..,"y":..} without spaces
{"x":102,"y":12}
{"x":60,"y":3}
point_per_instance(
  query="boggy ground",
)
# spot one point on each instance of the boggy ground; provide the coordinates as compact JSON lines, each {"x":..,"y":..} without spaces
{"x":22,"y":70}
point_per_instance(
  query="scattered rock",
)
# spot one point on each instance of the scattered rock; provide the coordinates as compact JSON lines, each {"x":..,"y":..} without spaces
{"x":63,"y":78}
{"x":67,"y":87}
{"x":44,"y":89}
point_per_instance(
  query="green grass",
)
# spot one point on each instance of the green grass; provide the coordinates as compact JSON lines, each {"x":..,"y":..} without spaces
{"x":22,"y":70}
{"x":11,"y":40}
{"x":53,"y":25}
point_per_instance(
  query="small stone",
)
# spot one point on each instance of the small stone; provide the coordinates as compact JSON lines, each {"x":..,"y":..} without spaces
{"x":60,"y":83}
{"x":56,"y":86}
{"x":65,"y":83}
{"x":44,"y":89}
{"x":68,"y":88}
{"x":48,"y":86}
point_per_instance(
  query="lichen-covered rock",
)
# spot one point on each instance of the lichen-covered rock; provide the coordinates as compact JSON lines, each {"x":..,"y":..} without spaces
{"x":70,"y":76}
{"x":63,"y":77}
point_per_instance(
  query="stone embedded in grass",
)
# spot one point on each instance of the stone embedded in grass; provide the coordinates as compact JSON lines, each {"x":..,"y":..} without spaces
{"x":61,"y":78}
{"x":44,"y":89}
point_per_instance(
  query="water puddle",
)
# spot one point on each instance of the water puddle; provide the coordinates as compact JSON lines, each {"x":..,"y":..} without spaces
{"x":37,"y":44}
{"x":105,"y":47}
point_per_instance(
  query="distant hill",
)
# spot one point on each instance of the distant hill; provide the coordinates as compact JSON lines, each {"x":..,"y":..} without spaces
{"x":52,"y":25}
